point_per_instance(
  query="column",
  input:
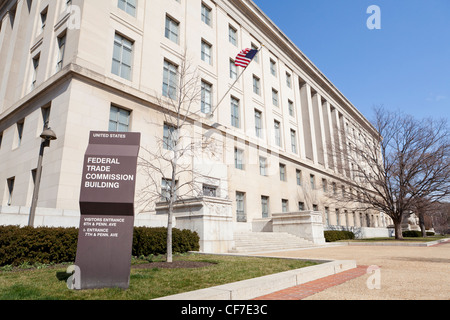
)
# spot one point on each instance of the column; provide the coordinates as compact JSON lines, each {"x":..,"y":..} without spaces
{"x":305,"y":93}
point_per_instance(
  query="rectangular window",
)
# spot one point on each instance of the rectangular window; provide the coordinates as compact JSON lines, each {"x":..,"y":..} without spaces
{"x":256,"y":58}
{"x":273,"y":67}
{"x":275,"y":97}
{"x":338,"y":218}
{"x":35,"y":71}
{"x":240,"y":207}
{"x":312,"y":181}
{"x":169,"y":137}
{"x":301,"y":206}
{"x":10,"y":185}
{"x":233,"y":70}
{"x":291,"y":108}
{"x":122,"y":57}
{"x":284,"y":205}
{"x":324,"y":185}
{"x":206,"y":97}
{"x":129,"y":6}
{"x":258,"y":124}
{"x":262,"y":166}
{"x":61,"y":51}
{"x":277,"y":130}
{"x":293,"y":141}
{"x":206,"y":14}
{"x":166,"y":187}
{"x":235,"y":119}
{"x":20,"y":126}
{"x":232,"y":35}
{"x":288,"y":80}
{"x":282,"y":172}
{"x":119,"y":119}
{"x":256,"y":85}
{"x":298,"y":175}
{"x":45,"y":116}
{"x":209,"y":191}
{"x":172,"y":29}
{"x":238,"y":159}
{"x":170,"y":80}
{"x":264,"y":206}
{"x":327,"y":215}
{"x":44,"y":18}
{"x":206,"y":52}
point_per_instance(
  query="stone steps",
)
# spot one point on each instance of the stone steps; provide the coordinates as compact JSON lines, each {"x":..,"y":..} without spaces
{"x":267,"y":241}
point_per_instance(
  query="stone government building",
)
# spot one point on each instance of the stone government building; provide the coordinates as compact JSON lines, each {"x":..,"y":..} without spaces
{"x":100,"y":65}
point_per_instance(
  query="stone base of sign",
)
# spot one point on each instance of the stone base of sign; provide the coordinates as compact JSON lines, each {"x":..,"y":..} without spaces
{"x":305,"y":224}
{"x":210,"y":217}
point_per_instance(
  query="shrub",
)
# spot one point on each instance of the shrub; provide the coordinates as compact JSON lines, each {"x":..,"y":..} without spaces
{"x":336,"y":235}
{"x":412,"y":233}
{"x":57,"y":245}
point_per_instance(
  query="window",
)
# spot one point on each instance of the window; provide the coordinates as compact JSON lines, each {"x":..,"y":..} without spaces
{"x":327,"y":215}
{"x":338,"y":217}
{"x":45,"y":116}
{"x":172,"y":29}
{"x":298,"y":175}
{"x":256,"y":85}
{"x":10,"y":185}
{"x":284,"y":205}
{"x":258,"y":124}
{"x":240,"y":207}
{"x":169,"y":137}
{"x":238,"y":159}
{"x":20,"y":126}
{"x":256,"y":58}
{"x":293,"y":141}
{"x":44,"y":18}
{"x":315,"y":207}
{"x":311,"y":179}
{"x":273,"y":67}
{"x":61,"y":51}
{"x":206,"y":52}
{"x":206,"y":97}
{"x":282,"y":172}
{"x":324,"y":185}
{"x":119,"y":119}
{"x":233,"y":70}
{"x":170,"y":80}
{"x":262,"y":166}
{"x":232,"y":35}
{"x":277,"y":130}
{"x":291,"y":108}
{"x":275,"y":97}
{"x":288,"y":80}
{"x":209,"y":191}
{"x":122,"y":57}
{"x":206,"y":14}
{"x":35,"y":71}
{"x":235,"y":113}
{"x":264,"y":206}
{"x":166,"y":188}
{"x":301,"y":206}
{"x":129,"y":6}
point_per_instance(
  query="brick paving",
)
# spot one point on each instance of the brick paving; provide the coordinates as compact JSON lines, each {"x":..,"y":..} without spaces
{"x":308,"y":289}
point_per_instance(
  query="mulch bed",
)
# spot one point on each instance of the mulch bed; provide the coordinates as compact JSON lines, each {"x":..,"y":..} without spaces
{"x":173,"y":265}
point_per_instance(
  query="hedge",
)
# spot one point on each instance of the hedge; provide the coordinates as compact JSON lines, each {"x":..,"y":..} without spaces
{"x":58,"y":245}
{"x":416,"y":233}
{"x":336,"y":235}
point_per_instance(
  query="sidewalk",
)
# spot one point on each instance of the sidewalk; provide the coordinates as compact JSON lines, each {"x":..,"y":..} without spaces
{"x":406,"y":273}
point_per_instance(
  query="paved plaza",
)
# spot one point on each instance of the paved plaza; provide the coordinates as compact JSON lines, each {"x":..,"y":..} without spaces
{"x":405,"y":273}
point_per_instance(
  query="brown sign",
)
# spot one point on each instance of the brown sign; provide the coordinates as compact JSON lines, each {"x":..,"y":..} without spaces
{"x":107,"y":210}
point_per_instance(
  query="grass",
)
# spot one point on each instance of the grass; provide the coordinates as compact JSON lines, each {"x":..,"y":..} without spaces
{"x":145,"y":284}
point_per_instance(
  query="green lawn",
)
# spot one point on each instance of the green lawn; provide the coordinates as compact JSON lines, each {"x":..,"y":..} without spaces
{"x":48,"y":284}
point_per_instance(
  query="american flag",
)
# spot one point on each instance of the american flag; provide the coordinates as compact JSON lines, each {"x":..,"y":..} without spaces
{"x":244,"y":58}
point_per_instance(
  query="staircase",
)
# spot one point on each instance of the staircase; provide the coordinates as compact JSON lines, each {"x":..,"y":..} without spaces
{"x":267,"y":241}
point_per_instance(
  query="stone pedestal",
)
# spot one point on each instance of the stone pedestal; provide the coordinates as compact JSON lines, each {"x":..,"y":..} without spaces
{"x":210,"y":217}
{"x":305,"y":224}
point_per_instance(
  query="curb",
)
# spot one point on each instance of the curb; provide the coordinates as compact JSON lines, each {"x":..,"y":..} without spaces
{"x":406,"y":244}
{"x":257,"y":287}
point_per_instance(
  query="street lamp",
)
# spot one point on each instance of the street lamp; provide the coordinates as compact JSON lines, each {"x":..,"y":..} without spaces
{"x":47,"y":135}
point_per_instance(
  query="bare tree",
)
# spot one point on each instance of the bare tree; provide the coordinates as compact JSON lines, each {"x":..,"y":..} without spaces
{"x":406,"y":162}
{"x":168,"y":165}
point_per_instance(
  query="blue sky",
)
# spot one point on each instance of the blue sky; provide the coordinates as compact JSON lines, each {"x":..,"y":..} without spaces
{"x":403,"y":66}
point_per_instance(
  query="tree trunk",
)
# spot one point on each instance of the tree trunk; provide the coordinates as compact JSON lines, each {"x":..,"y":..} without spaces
{"x":422,"y":224}
{"x":398,"y":230}
{"x":169,"y":257}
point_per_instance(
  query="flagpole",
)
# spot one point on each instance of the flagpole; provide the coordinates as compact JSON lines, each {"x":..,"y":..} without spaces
{"x":211,"y":114}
